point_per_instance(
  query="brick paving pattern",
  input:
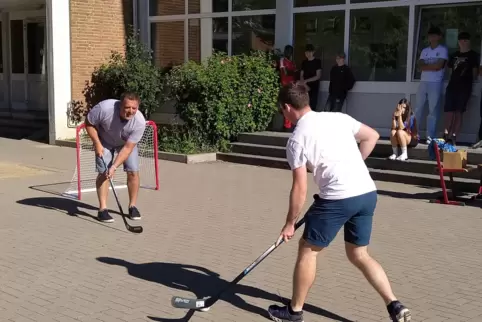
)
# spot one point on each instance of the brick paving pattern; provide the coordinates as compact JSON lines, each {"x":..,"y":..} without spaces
{"x":206,"y":224}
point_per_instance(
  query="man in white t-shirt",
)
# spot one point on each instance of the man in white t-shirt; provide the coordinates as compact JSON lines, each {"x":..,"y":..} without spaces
{"x":432,"y":63}
{"x":347,"y":197}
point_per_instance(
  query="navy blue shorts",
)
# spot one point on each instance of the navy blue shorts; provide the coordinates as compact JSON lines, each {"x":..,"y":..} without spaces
{"x":326,"y":217}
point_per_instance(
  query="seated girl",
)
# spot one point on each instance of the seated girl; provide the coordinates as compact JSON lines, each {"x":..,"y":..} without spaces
{"x":404,"y":130}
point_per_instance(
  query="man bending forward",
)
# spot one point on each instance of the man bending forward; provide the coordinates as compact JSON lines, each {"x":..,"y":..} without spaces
{"x":116,"y":126}
{"x":327,"y":144}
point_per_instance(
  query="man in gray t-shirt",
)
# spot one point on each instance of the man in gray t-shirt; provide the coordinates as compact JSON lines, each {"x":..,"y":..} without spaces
{"x":116,"y":126}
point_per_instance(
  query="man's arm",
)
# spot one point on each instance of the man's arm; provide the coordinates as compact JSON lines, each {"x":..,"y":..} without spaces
{"x":314,"y":78}
{"x":297,"y":160}
{"x":299,"y":188}
{"x":92,"y":132}
{"x":438,"y":65}
{"x":92,"y":120}
{"x":368,"y":138}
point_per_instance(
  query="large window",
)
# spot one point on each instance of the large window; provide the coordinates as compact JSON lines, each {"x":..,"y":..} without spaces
{"x":194,"y":40}
{"x":167,"y":43}
{"x":314,"y":3}
{"x":220,"y":34}
{"x":253,"y":33}
{"x":324,"y":30}
{"x":243,"y":5}
{"x":378,"y":44}
{"x":451,"y":20}
{"x":165,"y":8}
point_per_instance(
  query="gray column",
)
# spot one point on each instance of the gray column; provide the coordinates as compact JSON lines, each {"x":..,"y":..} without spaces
{"x":206,"y":30}
{"x":284,"y":23}
{"x":143,"y":22}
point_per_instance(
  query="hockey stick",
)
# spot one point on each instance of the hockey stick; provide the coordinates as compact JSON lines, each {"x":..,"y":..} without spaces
{"x":132,"y":229}
{"x":205,"y":304}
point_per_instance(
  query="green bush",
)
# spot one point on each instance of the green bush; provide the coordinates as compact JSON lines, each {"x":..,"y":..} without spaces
{"x":134,"y":71}
{"x":224,"y":96}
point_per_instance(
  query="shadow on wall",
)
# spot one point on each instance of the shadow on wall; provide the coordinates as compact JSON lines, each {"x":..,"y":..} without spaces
{"x":202,"y":283}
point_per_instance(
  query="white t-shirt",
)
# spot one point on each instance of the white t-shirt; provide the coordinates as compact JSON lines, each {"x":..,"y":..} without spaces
{"x":430,"y":56}
{"x":325,"y":142}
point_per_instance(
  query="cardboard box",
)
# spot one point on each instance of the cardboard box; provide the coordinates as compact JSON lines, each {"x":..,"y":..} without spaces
{"x":455,"y":160}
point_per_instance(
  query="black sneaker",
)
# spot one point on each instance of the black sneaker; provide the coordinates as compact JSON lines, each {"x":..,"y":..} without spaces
{"x":398,"y":312}
{"x":134,"y":213}
{"x":103,"y":215}
{"x":282,"y":314}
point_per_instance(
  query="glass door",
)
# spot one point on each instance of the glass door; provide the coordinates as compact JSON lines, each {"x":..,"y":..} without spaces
{"x":36,"y":72}
{"x":28,"y":65}
{"x":18,"y":85}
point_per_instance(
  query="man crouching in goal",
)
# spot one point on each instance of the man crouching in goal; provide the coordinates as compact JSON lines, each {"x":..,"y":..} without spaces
{"x":116,"y":126}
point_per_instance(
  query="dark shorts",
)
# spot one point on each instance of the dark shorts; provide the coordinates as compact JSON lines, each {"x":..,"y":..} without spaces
{"x":326,"y":217}
{"x":456,"y":99}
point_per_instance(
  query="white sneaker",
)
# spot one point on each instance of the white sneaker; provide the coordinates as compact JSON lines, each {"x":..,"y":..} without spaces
{"x":402,"y":157}
{"x":429,"y":139}
{"x":392,"y":157}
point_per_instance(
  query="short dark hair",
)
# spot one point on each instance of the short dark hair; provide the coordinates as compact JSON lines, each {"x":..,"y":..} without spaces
{"x":464,"y":36}
{"x":294,"y":94}
{"x":132,"y":96}
{"x":309,"y":47}
{"x":434,"y":30}
{"x":341,"y":54}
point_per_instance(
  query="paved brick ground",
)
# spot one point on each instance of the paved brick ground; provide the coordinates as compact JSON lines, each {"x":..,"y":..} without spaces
{"x":207,"y":223}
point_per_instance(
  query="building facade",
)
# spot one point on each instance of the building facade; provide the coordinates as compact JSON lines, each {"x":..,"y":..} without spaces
{"x":382,"y":40}
{"x":49,"y":48}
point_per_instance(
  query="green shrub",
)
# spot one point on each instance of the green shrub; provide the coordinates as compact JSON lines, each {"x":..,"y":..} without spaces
{"x":134,"y":71}
{"x":224,"y":96}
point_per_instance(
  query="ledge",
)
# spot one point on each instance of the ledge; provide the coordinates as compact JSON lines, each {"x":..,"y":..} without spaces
{"x":161,"y":155}
{"x":187,"y":158}
{"x":66,"y":143}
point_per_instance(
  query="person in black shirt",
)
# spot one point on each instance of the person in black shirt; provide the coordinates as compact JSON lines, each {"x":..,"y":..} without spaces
{"x":311,"y":74}
{"x":463,"y":64}
{"x":341,"y":81}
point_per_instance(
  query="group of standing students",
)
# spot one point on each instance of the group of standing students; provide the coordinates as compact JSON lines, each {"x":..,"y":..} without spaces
{"x":341,"y":78}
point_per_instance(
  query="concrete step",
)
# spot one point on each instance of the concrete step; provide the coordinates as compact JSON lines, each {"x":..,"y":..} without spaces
{"x":273,"y":143}
{"x":382,"y":163}
{"x":376,"y":167}
{"x":259,"y":149}
{"x":265,"y":138}
{"x":21,"y":129}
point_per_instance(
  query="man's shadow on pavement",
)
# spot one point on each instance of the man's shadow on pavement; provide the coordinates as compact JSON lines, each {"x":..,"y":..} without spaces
{"x":67,"y":206}
{"x":204,"y":283}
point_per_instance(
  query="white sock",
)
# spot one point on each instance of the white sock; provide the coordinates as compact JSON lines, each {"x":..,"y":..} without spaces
{"x":404,"y":155}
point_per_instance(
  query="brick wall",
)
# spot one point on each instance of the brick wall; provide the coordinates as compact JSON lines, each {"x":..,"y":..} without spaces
{"x":97,"y":27}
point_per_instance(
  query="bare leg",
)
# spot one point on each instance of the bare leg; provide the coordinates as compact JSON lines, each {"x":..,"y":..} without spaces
{"x":394,"y":141}
{"x":373,"y":271}
{"x":457,"y":123}
{"x":102,"y":185}
{"x":304,"y":274}
{"x":404,"y":139}
{"x":449,"y":120}
{"x":133,"y":187}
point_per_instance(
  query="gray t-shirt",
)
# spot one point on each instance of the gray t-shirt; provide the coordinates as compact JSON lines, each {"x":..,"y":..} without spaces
{"x":114,"y":131}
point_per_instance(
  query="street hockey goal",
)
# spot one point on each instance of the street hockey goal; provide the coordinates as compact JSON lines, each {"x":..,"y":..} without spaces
{"x":85,"y":175}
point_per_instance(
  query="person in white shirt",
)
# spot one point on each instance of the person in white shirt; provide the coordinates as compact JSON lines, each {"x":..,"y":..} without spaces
{"x":347,"y":197}
{"x":432,"y":63}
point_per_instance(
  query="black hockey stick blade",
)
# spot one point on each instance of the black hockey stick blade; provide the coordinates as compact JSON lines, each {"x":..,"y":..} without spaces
{"x":184,"y":303}
{"x":199,"y":304}
{"x":132,"y":229}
